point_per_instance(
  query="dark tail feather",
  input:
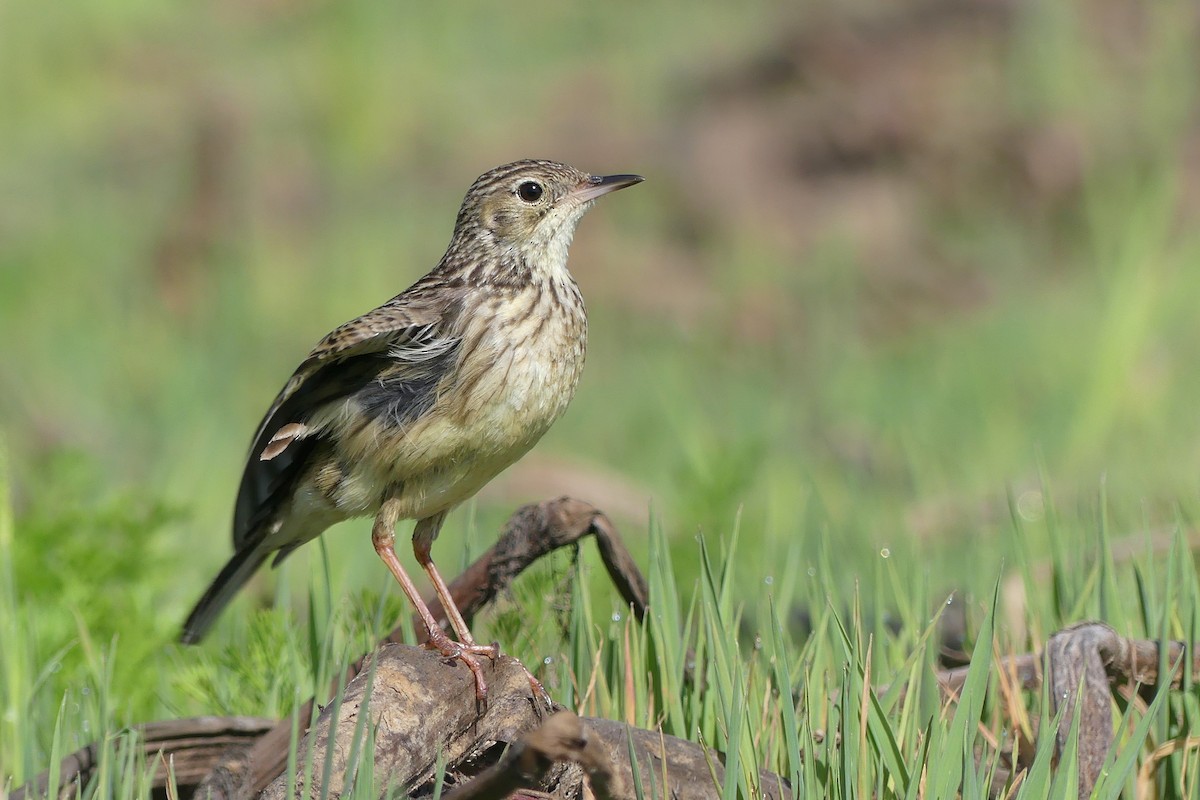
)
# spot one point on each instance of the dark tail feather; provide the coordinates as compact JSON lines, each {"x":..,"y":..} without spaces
{"x":233,"y":576}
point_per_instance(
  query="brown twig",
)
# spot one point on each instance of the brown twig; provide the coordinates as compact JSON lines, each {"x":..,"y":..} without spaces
{"x":561,"y":738}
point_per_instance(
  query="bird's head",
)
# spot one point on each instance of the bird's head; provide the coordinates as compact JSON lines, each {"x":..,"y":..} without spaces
{"x":529,"y":209}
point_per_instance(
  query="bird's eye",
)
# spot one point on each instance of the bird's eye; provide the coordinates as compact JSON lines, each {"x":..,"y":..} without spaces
{"x":530,"y":191}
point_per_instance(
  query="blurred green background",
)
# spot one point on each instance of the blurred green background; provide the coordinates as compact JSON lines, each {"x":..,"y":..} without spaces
{"x":896,"y":269}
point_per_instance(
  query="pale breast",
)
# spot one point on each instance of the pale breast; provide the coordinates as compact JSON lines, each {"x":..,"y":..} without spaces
{"x":521,"y":359}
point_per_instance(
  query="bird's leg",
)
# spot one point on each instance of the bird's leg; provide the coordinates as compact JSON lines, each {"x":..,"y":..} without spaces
{"x":423,"y":536}
{"x":383,"y":536}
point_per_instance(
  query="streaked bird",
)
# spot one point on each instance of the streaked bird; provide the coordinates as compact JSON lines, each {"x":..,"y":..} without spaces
{"x":408,"y":410}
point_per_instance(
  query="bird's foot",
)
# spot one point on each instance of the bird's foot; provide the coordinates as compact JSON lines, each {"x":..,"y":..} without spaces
{"x":469,"y":653}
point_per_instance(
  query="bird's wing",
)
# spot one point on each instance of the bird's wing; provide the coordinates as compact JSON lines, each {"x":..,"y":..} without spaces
{"x":391,"y":359}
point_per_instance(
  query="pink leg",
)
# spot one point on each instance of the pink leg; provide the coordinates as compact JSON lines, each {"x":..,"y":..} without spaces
{"x":423,"y":536}
{"x":383,"y":536}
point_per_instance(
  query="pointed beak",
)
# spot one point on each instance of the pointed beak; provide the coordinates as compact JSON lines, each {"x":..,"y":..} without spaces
{"x":598,"y":185}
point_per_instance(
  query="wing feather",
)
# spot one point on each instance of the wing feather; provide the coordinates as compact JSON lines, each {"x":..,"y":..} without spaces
{"x":391,"y":357}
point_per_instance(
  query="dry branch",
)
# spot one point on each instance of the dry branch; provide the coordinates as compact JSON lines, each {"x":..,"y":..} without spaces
{"x":552,"y":754}
{"x":418,"y":706}
{"x":532,"y":531}
{"x":190,"y":746}
{"x":562,"y":738}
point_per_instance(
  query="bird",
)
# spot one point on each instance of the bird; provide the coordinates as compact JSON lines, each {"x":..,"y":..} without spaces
{"x":408,"y":410}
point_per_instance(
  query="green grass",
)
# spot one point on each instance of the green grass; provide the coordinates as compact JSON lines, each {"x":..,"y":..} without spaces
{"x":824,"y":709}
{"x":859,"y":470}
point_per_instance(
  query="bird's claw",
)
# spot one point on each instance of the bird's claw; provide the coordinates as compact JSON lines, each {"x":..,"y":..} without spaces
{"x":539,"y":691}
{"x":469,"y":655}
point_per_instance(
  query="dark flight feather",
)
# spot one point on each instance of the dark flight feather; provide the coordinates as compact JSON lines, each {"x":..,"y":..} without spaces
{"x":388,"y":361}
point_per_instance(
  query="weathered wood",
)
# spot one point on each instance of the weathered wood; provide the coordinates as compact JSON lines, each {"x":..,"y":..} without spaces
{"x":1081,"y":662}
{"x":1075,"y":670}
{"x":419,"y":705}
{"x":688,"y":770}
{"x":410,"y":687}
{"x":534,"y":530}
{"x":538,"y":529}
{"x":190,"y":746}
{"x":562,"y":738}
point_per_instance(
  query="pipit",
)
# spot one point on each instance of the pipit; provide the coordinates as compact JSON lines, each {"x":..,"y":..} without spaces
{"x":408,"y":410}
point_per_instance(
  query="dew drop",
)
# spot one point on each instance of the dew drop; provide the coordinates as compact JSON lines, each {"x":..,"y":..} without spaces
{"x":616,"y":617}
{"x":1030,"y":505}
{"x":886,"y":552}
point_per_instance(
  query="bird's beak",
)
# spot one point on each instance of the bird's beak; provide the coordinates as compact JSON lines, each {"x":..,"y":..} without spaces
{"x":598,"y":185}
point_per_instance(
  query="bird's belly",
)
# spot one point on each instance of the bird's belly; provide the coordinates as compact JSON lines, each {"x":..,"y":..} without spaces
{"x":445,"y":466}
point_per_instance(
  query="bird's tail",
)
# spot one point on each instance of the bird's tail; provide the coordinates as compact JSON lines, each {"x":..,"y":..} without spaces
{"x":233,"y":576}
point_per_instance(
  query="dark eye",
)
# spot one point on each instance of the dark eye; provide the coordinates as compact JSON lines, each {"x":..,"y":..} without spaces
{"x":530,"y":191}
